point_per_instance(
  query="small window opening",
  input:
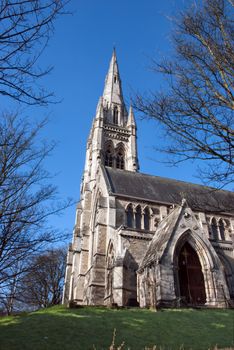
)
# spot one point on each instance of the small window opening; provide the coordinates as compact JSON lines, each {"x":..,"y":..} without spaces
{"x":115,"y":79}
{"x":146,"y":219}
{"x":138,"y":218}
{"x":129,"y":214}
{"x":214,"y":229}
{"x":222,"y":229}
{"x":115,"y":115}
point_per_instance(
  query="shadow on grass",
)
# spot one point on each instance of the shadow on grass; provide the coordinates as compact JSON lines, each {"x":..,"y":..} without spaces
{"x":80,"y":329}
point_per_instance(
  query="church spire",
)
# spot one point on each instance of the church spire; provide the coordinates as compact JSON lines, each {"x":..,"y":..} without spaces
{"x":113,"y":137}
{"x":113,"y":91}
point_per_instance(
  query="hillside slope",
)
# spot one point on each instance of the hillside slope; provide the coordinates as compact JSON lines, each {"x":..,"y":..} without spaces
{"x":59,"y":328}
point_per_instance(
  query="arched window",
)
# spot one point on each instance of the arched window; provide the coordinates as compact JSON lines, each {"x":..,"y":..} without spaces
{"x":146,"y":219}
{"x":222,"y":229}
{"x":109,"y":155}
{"x":138,"y":217}
{"x":129,"y":216}
{"x":214,"y":229}
{"x":120,"y":158}
{"x":115,"y":115}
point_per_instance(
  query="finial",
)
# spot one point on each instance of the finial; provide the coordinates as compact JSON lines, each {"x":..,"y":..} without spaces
{"x":114,"y":51}
{"x":184,"y":202}
{"x":130,"y":109}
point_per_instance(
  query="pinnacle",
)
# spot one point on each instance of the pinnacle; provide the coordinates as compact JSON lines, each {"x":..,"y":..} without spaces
{"x":131,"y":118}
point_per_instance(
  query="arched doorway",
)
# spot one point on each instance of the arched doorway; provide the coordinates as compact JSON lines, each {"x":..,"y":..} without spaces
{"x":190,"y":277}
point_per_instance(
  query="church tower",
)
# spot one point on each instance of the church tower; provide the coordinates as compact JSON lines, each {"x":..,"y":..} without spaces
{"x":111,"y":143}
{"x":139,"y":238}
{"x":112,"y":140}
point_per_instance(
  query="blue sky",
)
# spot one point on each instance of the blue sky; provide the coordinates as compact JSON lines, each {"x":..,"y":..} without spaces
{"x":80,"y":51}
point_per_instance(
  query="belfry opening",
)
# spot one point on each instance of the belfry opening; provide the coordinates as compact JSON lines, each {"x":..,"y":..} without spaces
{"x":191,"y":286}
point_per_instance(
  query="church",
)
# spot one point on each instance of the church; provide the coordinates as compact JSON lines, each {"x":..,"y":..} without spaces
{"x":142,"y":240}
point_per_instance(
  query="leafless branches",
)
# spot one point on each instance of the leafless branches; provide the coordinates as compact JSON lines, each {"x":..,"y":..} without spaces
{"x":197,"y":111}
{"x":26,"y":198}
{"x":42,"y":285}
{"x":25,"y":27}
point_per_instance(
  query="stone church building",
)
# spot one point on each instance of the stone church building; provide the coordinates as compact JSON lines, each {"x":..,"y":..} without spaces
{"x":140,"y":239}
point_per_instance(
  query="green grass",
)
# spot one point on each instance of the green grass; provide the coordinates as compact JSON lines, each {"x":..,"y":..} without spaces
{"x":59,"y":328}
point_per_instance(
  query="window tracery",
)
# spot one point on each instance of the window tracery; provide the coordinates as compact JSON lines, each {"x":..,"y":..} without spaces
{"x":109,"y":155}
{"x":120,"y":158}
{"x":137,"y":217}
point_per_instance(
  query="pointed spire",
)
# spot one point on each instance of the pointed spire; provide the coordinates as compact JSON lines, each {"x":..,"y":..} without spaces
{"x":131,"y":118}
{"x":113,"y":90}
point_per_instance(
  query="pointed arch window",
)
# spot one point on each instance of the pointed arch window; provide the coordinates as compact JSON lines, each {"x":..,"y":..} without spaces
{"x":129,"y":216}
{"x":222,"y":229}
{"x":214,"y":229}
{"x":115,"y":115}
{"x":138,"y":217}
{"x":120,"y":158}
{"x":109,"y":155}
{"x":147,"y":219}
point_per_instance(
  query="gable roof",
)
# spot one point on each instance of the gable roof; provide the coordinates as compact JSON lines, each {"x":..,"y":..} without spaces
{"x":161,"y":238}
{"x":168,"y":191}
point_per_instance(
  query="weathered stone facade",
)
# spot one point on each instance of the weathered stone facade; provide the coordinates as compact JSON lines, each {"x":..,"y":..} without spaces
{"x":141,"y":239}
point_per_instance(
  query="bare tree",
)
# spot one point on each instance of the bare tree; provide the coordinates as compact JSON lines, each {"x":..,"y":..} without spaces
{"x":9,"y":291}
{"x":25,"y":28}
{"x":42,"y":286}
{"x":26,"y":199}
{"x":196,"y":109}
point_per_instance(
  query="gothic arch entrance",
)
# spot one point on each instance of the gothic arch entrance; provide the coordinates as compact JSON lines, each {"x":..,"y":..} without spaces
{"x":190,"y":277}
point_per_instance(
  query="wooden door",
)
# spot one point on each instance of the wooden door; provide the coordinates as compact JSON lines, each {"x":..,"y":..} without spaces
{"x":191,"y":280}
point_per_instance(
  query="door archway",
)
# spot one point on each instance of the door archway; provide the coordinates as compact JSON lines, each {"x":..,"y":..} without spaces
{"x":190,"y":277}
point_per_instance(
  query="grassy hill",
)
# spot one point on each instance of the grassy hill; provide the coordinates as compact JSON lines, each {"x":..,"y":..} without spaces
{"x":59,"y":328}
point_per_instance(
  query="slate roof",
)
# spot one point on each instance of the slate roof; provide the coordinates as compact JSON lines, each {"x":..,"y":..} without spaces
{"x":168,"y":191}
